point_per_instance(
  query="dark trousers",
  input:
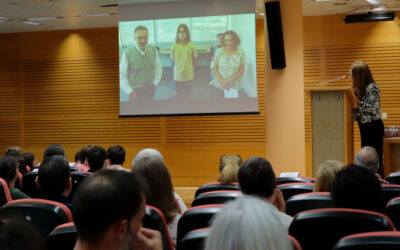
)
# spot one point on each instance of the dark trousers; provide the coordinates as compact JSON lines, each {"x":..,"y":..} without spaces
{"x":372,"y":135}
{"x":145,"y":93}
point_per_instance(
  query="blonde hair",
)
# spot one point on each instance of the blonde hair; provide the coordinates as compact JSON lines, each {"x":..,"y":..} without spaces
{"x":326,"y":175}
{"x":229,"y":166}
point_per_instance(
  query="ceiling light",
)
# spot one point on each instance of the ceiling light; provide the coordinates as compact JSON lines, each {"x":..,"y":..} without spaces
{"x":261,"y":14}
{"x":373,"y":2}
{"x":370,"y":17}
{"x":96,"y":15}
{"x":2,"y":18}
{"x":31,"y":23}
{"x":42,"y":18}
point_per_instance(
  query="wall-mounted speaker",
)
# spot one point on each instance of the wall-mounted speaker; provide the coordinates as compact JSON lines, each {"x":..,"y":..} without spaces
{"x":275,"y":34}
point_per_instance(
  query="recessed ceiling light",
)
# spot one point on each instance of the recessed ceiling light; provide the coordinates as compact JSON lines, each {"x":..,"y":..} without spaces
{"x":261,"y":14}
{"x":96,"y":15}
{"x":31,"y":23}
{"x":2,"y":18}
{"x":42,"y":18}
{"x":373,"y":1}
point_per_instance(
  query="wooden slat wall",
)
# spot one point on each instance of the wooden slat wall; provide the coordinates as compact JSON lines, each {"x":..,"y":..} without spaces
{"x":328,"y":55}
{"x":62,"y":90}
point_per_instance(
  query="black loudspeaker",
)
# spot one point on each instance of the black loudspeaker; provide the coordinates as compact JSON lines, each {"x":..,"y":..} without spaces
{"x":275,"y":34}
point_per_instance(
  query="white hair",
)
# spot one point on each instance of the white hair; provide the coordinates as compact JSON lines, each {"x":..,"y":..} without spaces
{"x":247,"y":223}
{"x":367,"y":157}
{"x":147,"y":153}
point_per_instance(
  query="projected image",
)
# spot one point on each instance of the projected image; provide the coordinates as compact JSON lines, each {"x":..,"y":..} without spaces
{"x":188,"y":65}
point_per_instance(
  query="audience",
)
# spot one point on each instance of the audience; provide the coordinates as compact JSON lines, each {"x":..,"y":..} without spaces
{"x":9,"y":171}
{"x":326,"y":175}
{"x":96,"y":158}
{"x":53,"y":149}
{"x":108,"y":209}
{"x":54,"y":179}
{"x":19,"y":235}
{"x":17,"y":152}
{"x":256,"y":177}
{"x":228,"y":168}
{"x":147,"y":153}
{"x":116,"y":157}
{"x":83,"y":161}
{"x":357,"y":187}
{"x":30,"y":160}
{"x":247,"y":223}
{"x":160,"y":193}
{"x":368,"y":157}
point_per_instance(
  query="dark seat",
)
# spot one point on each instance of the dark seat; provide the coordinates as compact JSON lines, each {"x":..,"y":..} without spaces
{"x":295,"y":243}
{"x":63,"y":237}
{"x":194,"y":240}
{"x":216,"y":197}
{"x":322,"y":228}
{"x":389,"y":192}
{"x":394,"y":177}
{"x":393,"y":211}
{"x":302,"y":202}
{"x":216,"y":186}
{"x":284,"y":180}
{"x":370,"y":240}
{"x":44,"y":215}
{"x":77,"y":178}
{"x":154,"y":219}
{"x":383,"y":181}
{"x":29,"y":185}
{"x":5,"y":195}
{"x":195,"y":218}
{"x":290,"y":189}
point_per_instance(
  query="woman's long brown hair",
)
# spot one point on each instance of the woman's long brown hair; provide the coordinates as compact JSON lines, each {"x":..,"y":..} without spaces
{"x":362,"y":77}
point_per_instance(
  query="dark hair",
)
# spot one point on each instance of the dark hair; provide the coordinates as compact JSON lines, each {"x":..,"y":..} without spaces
{"x":84,"y":152}
{"x":159,"y":186}
{"x":186,"y":29}
{"x":361,"y":76}
{"x":116,"y":154}
{"x":8,"y":168}
{"x":17,"y":234}
{"x":357,"y":187}
{"x":78,"y":156}
{"x":104,"y":198}
{"x":21,"y":165}
{"x":53,"y":149}
{"x":235,"y":37}
{"x":29,"y":158}
{"x":96,"y":158}
{"x":256,"y":177}
{"x":53,"y":176}
{"x":140,"y":27}
{"x":14,"y":151}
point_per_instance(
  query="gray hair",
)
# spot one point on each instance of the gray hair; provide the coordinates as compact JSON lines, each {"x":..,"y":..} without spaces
{"x":147,"y":154}
{"x":367,"y":157}
{"x":247,"y":223}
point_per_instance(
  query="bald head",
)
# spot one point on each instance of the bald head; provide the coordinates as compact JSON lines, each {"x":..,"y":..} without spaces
{"x":147,"y":154}
{"x":367,"y":157}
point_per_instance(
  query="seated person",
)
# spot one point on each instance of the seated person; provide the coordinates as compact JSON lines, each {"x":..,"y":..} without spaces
{"x":116,"y":157}
{"x":9,"y":171}
{"x":54,"y":179}
{"x":368,"y":157}
{"x":30,"y":160}
{"x":160,"y":192}
{"x":357,"y":187}
{"x":256,"y":177}
{"x":96,"y":158}
{"x":53,"y":149}
{"x":17,"y":152}
{"x":326,"y":175}
{"x":228,"y":168}
{"x":81,"y":161}
{"x":108,"y":209}
{"x":18,"y":235}
{"x":247,"y":223}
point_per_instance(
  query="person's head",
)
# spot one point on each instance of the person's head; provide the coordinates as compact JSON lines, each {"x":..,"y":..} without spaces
{"x":53,"y":149}
{"x":109,"y":205}
{"x":96,"y":158}
{"x":30,"y":160}
{"x":357,"y":187}
{"x":256,"y":177}
{"x":159,"y":186}
{"x":367,"y":157}
{"x":220,"y":37}
{"x":141,"y":36}
{"x":9,"y":169}
{"x":84,"y":154}
{"x":247,"y":223}
{"x":361,"y":76}
{"x":116,"y":155}
{"x":228,"y":167}
{"x":182,"y":33}
{"x":54,"y":177}
{"x":14,"y":151}
{"x":78,"y":157}
{"x":326,"y":175}
{"x":17,"y":234}
{"x":231,"y":39}
{"x":146,"y":154}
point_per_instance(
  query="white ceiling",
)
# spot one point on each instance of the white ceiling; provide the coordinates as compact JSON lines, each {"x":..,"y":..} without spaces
{"x":20,"y":10}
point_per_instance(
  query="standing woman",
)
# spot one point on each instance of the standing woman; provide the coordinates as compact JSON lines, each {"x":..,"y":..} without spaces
{"x":183,"y":55}
{"x":367,"y":95}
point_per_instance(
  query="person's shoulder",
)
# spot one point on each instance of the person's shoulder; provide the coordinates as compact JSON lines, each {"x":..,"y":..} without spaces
{"x":372,"y":87}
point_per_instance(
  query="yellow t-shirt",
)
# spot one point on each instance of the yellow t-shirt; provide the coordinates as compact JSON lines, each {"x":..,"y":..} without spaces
{"x":183,"y":55}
